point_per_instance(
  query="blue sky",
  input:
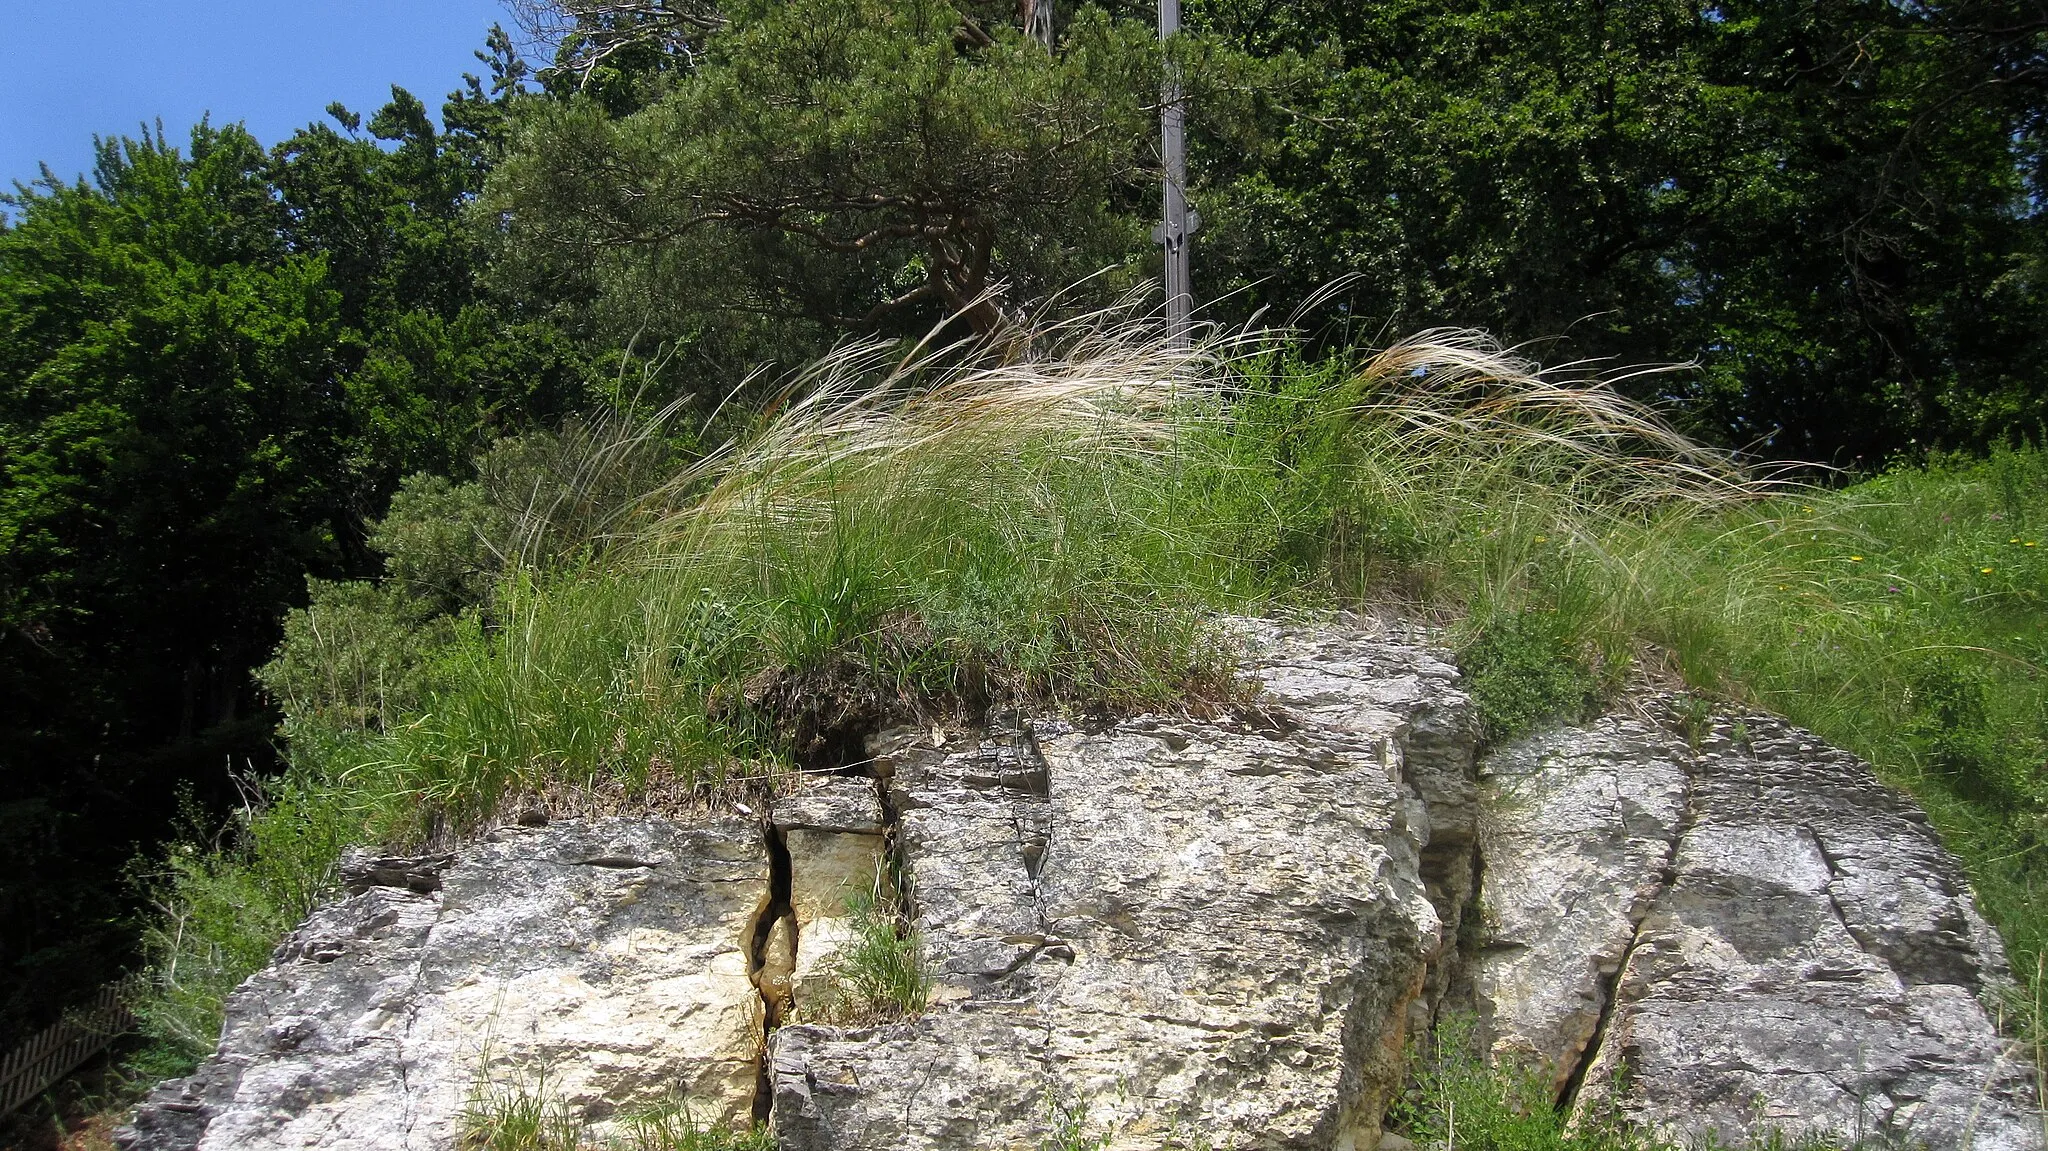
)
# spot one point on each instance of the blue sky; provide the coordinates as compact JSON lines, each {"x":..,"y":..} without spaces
{"x":73,"y":68}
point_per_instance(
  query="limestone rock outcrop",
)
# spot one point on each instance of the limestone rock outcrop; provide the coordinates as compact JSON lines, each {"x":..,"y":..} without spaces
{"x":1167,"y":931}
{"x":1576,"y":840}
{"x":1163,"y":931}
{"x":606,"y":955}
{"x":1755,"y":935}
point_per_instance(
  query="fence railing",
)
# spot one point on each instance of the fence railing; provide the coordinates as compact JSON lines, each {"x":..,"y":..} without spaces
{"x":64,"y":1046}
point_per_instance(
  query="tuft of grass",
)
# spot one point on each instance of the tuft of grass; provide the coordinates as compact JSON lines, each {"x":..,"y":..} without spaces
{"x":221,"y":904}
{"x":520,"y":1117}
{"x":1454,"y":1098}
{"x":523,"y":1114}
{"x":879,"y":975}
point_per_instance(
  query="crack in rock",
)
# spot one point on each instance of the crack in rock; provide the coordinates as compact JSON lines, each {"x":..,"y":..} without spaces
{"x":1810,"y":963}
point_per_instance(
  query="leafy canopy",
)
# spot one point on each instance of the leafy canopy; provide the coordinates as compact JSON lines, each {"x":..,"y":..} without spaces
{"x":847,"y":164}
{"x":1836,"y":207}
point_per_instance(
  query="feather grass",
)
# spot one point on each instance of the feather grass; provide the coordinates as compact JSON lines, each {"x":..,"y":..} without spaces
{"x":936,"y":531}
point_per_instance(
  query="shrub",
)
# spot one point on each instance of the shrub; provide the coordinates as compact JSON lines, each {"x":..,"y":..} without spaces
{"x":1528,"y":668}
{"x":445,"y":544}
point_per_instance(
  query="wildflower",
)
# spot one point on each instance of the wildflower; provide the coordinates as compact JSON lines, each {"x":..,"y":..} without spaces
{"x":2033,"y":543}
{"x":1893,"y":589}
{"x":1987,"y":571}
{"x":1855,"y":559}
{"x":1542,"y":539}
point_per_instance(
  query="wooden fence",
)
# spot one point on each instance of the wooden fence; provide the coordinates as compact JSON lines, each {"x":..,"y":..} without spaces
{"x":64,"y":1046}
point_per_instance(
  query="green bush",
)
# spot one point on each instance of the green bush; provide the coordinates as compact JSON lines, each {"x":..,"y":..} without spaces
{"x":358,"y":657}
{"x":1528,"y":668}
{"x":445,"y":544}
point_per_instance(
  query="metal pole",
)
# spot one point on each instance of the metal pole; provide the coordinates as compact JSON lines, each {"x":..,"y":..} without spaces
{"x":1036,"y":16}
{"x":1175,"y":228}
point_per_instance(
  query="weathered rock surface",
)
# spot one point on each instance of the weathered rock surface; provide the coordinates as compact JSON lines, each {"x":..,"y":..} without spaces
{"x":1167,"y":931}
{"x":1772,"y":938}
{"x":609,"y":952}
{"x":1580,"y":829}
{"x":833,"y":833}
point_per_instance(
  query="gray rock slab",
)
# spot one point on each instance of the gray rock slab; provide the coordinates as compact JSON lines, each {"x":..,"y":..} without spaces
{"x":1167,"y":931}
{"x":1159,"y":932}
{"x":1577,"y":836}
{"x":608,"y":954}
{"x":1815,"y":965}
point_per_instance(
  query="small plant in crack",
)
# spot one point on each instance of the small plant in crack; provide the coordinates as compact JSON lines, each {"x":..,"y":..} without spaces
{"x":1694,"y":719}
{"x":1066,"y":1126}
{"x":1742,"y":737}
{"x":878,"y":975}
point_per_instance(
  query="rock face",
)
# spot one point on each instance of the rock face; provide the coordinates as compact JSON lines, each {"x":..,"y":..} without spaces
{"x":832,"y":832}
{"x":1576,"y":842}
{"x":1754,"y":936}
{"x":609,"y":953}
{"x":1162,"y":931}
{"x":1166,"y":931}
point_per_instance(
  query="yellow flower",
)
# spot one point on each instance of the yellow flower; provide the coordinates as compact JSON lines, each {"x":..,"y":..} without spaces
{"x":1855,"y":559}
{"x":1542,"y":539}
{"x":2033,"y":543}
{"x":1987,"y":571}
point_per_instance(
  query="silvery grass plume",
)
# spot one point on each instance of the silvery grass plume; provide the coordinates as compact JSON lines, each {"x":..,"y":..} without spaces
{"x":1446,"y":414}
{"x":894,"y":431}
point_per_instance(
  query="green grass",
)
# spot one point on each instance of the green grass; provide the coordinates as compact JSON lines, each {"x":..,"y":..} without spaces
{"x":879,"y":975}
{"x":524,"y":1115}
{"x":1453,"y":1098}
{"x":911,"y":536}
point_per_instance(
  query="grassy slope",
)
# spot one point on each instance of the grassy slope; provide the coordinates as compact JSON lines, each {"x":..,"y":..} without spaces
{"x":1059,"y":529}
{"x":1905,"y":618}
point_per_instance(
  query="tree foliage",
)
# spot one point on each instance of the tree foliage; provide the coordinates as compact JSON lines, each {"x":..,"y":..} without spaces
{"x":215,"y":364}
{"x":1834,"y":207}
{"x":848,"y":165}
